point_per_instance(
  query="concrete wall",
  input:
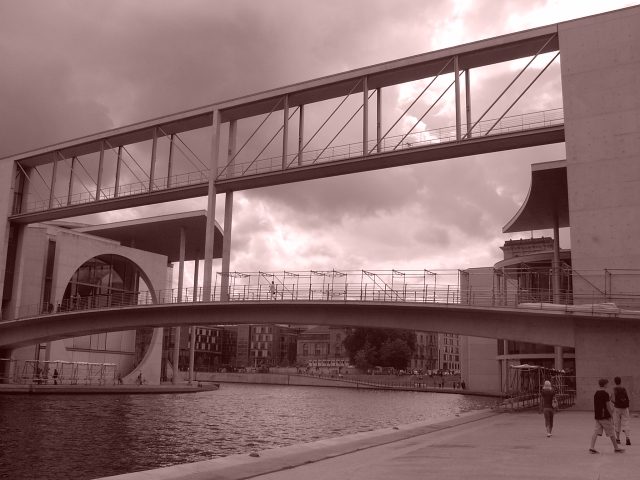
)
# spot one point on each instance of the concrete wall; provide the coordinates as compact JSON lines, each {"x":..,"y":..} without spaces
{"x":600,"y":65}
{"x":6,"y":204}
{"x":479,"y":368}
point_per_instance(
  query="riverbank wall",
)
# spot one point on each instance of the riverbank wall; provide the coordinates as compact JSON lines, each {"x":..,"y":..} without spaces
{"x":9,"y":389}
{"x":310,"y":381}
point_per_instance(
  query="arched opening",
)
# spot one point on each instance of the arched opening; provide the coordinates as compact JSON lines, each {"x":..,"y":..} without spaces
{"x":105,"y":281}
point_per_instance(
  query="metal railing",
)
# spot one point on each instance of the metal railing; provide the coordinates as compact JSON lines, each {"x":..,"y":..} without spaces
{"x":418,"y":287}
{"x":517,"y":123}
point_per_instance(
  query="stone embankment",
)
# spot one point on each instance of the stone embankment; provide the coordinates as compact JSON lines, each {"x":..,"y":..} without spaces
{"x":104,"y":389}
{"x":315,"y":381}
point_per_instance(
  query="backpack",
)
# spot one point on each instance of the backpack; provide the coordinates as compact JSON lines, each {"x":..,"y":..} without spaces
{"x":621,"y":397}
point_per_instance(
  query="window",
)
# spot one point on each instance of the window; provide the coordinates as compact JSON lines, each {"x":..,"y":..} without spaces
{"x":305,"y":349}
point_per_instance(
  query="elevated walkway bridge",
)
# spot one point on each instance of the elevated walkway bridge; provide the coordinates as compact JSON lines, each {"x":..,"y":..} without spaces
{"x":388,"y":299}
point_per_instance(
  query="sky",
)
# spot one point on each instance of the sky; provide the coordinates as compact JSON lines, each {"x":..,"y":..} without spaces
{"x":73,"y":68}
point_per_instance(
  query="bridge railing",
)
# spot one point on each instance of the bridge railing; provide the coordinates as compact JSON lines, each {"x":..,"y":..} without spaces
{"x":516,"y":123}
{"x":364,"y":291}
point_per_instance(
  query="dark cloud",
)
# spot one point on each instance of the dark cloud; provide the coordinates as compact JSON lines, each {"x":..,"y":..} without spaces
{"x":72,"y":69}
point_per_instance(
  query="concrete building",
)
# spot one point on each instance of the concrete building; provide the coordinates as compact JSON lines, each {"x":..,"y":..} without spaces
{"x":425,"y":357}
{"x":449,"y":352}
{"x":265,"y":345}
{"x":594,"y":191}
{"x":321,"y":348}
{"x":525,"y":275}
{"x":64,"y":266}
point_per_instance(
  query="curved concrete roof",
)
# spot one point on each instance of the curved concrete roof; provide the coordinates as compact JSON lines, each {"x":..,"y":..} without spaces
{"x":161,"y":234}
{"x":548,"y":196}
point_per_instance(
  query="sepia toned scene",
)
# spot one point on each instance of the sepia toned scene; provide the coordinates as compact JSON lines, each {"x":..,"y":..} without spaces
{"x":294,"y":239}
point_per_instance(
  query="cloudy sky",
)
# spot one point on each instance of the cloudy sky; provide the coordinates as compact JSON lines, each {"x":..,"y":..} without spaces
{"x":72,"y":68}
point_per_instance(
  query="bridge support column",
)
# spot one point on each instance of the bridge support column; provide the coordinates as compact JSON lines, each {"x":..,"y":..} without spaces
{"x":226,"y":247}
{"x":7,"y":174}
{"x":192,"y":338}
{"x":556,"y":260}
{"x":176,"y":335}
{"x":228,"y":205}
{"x":606,"y":349}
{"x":559,"y":359}
{"x":211,"y":209}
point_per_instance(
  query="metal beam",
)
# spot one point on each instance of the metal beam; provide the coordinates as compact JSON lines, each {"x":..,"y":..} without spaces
{"x":53,"y":179}
{"x":100,"y":168}
{"x":456,"y":73}
{"x":285,"y":132}
{"x":301,"y":135}
{"x":365,"y":116}
{"x":170,"y":161}
{"x":154,"y":150}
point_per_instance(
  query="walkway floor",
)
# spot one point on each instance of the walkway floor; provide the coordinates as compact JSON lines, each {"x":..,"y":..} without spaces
{"x":481,"y":446}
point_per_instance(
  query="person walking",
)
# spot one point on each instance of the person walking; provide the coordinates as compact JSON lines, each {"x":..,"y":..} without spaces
{"x":620,"y":410}
{"x":272,"y":290}
{"x":548,"y":405}
{"x":603,"y":413}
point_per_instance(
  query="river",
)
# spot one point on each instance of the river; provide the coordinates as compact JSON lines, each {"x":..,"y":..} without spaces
{"x":90,"y":436}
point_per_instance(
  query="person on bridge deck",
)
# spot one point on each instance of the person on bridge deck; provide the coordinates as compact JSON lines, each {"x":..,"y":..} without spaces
{"x":603,"y":413}
{"x":548,"y":405}
{"x":272,"y":290}
{"x":620,"y":410}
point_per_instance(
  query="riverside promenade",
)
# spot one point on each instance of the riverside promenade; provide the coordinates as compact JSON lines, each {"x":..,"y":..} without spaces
{"x":479,"y":445}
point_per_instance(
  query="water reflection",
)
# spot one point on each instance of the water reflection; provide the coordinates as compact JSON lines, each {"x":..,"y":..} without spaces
{"x":83,"y":437}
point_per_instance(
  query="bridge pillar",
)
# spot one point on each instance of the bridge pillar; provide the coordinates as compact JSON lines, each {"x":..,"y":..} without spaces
{"x":228,"y":205}
{"x":226,"y":247}
{"x":559,"y":358}
{"x":176,"y":344}
{"x":211,"y":208}
{"x":192,"y":335}
{"x":556,"y":260}
{"x":7,"y":174}
{"x":606,"y":348}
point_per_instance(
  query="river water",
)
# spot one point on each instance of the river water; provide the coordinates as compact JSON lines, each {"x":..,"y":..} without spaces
{"x":90,"y":436}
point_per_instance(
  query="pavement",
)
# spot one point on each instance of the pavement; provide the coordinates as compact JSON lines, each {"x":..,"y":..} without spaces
{"x":478,"y":445}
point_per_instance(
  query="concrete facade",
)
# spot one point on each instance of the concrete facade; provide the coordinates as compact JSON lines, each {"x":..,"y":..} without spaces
{"x":46,"y":258}
{"x":601,"y":93}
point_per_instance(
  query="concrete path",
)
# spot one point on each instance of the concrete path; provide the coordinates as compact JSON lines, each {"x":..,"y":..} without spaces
{"x":483,"y":445}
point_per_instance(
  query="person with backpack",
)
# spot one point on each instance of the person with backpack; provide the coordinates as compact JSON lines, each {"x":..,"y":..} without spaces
{"x":621,"y":410}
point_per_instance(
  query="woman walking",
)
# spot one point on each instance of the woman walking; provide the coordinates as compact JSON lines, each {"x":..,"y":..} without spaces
{"x":547,"y":405}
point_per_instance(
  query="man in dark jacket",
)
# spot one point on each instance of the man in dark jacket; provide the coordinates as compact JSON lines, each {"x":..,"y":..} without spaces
{"x":603,"y":413}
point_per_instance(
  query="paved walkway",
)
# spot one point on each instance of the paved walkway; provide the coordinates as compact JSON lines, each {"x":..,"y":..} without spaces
{"x":481,"y":446}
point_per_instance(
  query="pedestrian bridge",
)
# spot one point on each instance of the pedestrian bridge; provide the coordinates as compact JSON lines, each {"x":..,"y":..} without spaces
{"x":387,"y":299}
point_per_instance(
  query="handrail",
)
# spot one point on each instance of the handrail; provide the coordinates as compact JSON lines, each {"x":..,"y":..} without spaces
{"x":369,"y":288}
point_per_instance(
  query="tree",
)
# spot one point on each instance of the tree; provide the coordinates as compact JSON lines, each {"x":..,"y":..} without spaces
{"x":367,"y":357}
{"x":376,"y":338}
{"x":395,"y":353}
{"x":285,"y":362}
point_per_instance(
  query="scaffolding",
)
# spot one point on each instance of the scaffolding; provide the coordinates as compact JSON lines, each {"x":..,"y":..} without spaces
{"x":43,"y":372}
